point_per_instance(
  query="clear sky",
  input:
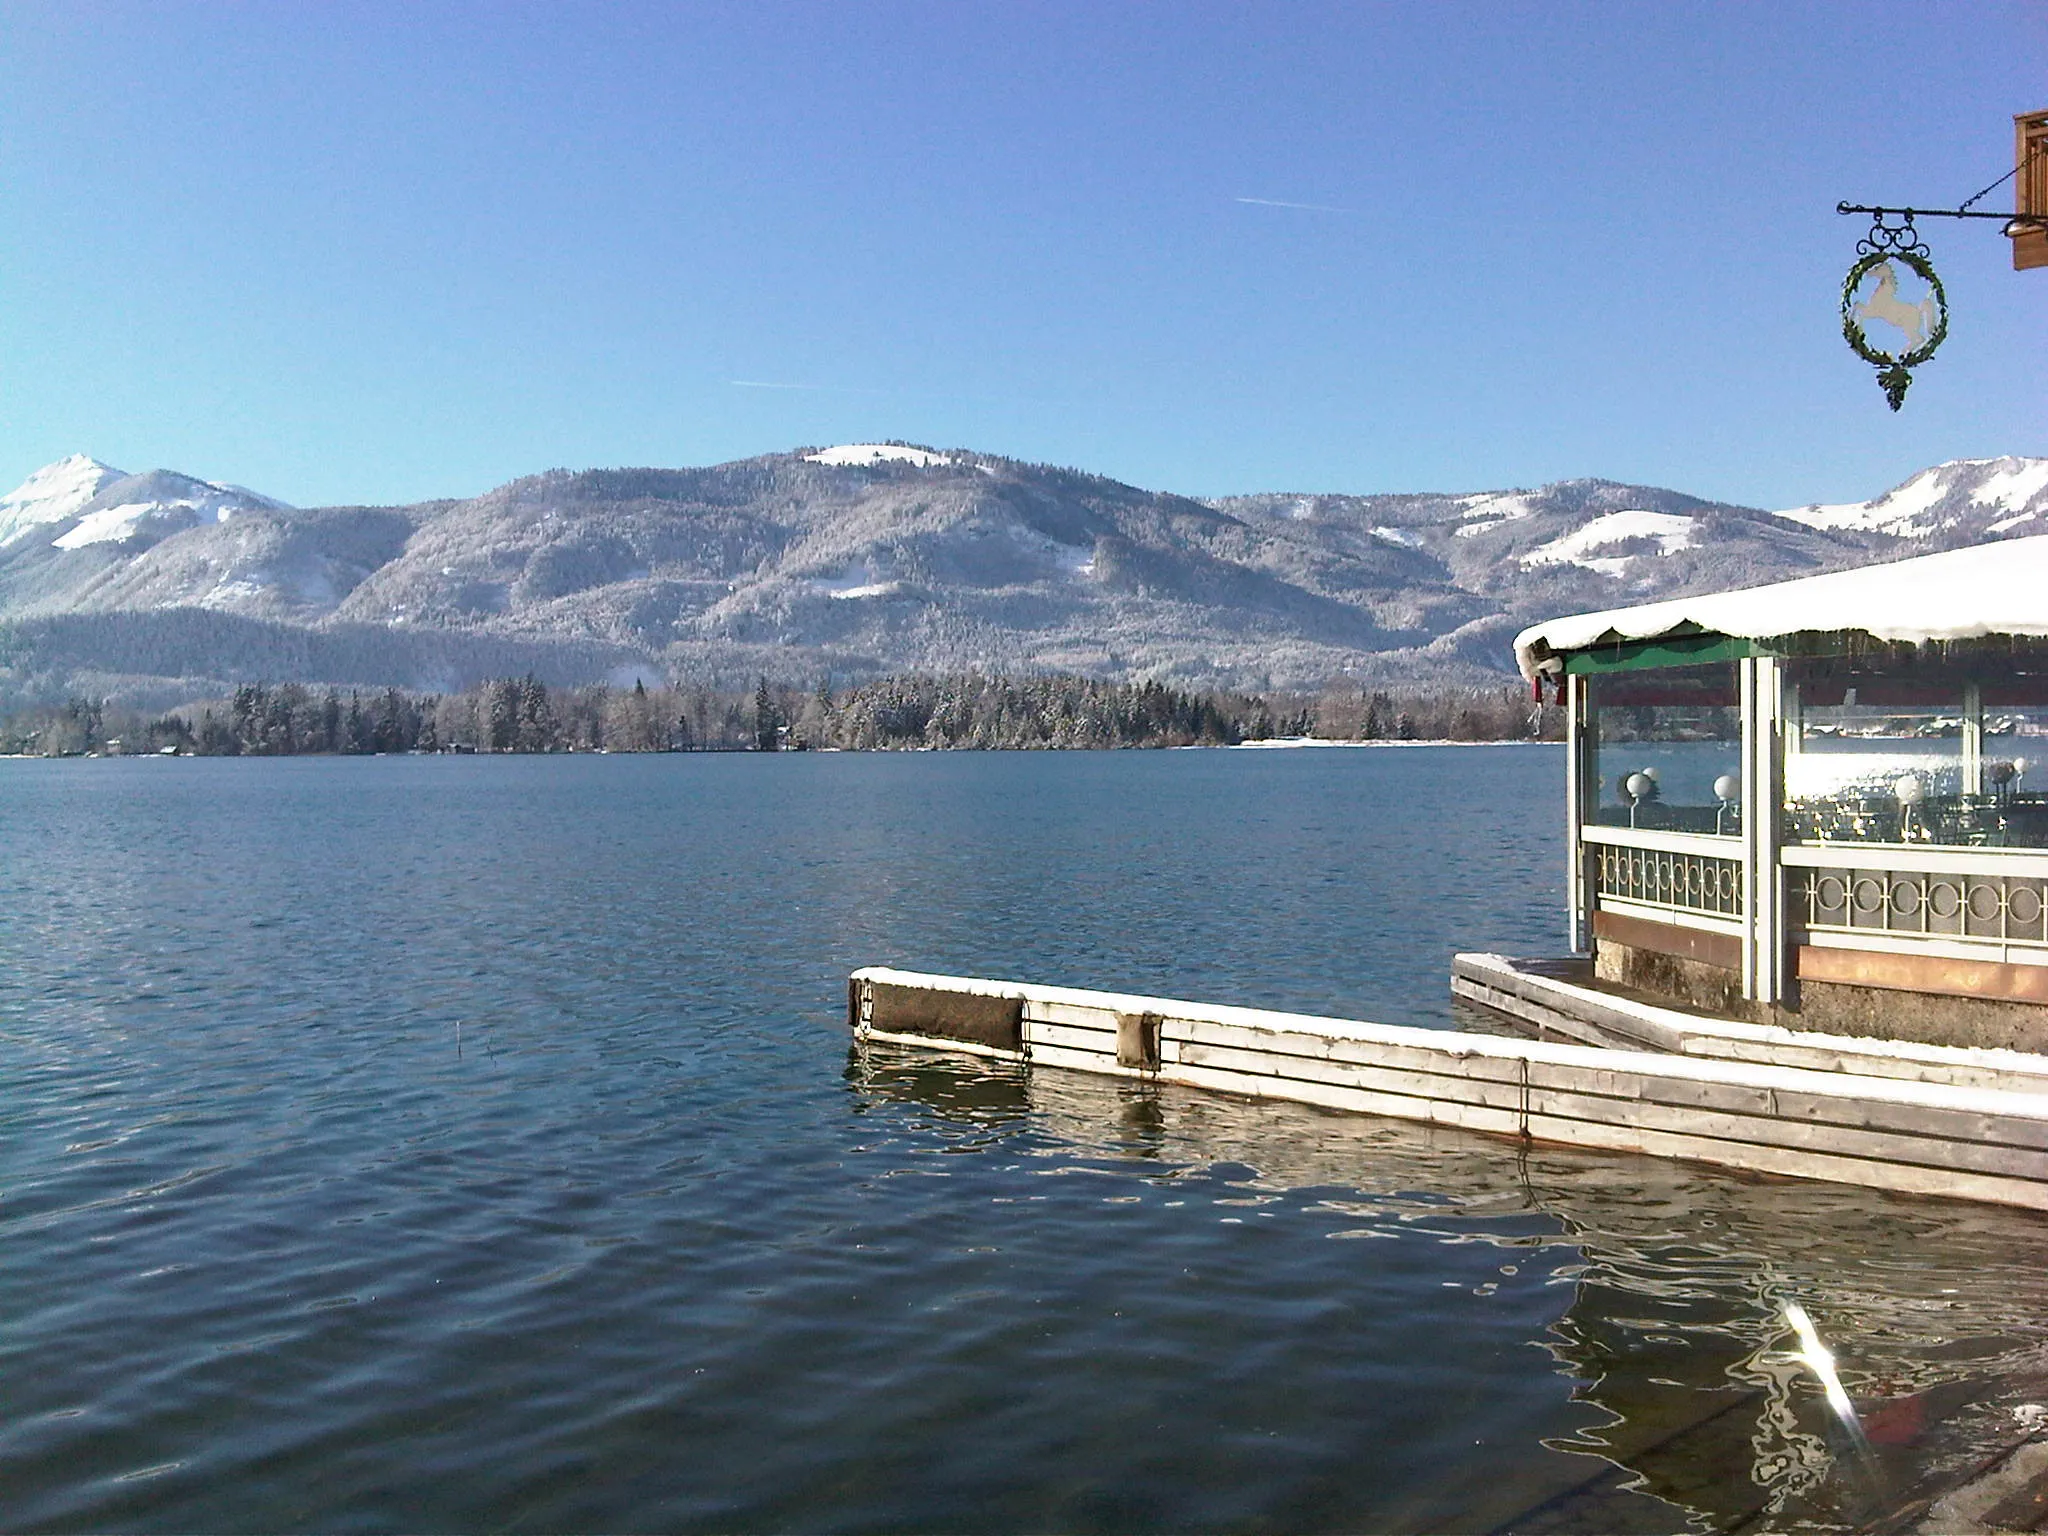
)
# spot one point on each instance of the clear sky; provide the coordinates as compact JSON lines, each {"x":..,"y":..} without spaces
{"x":384,"y":252}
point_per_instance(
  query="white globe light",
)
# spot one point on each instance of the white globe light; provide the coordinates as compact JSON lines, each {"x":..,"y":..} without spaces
{"x":1637,"y":785}
{"x":1910,"y":788}
{"x":2019,"y":765}
{"x":1727,"y":787}
{"x":1650,"y":774}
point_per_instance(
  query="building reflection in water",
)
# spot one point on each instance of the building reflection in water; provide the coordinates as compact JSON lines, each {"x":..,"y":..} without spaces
{"x":1672,"y":1325}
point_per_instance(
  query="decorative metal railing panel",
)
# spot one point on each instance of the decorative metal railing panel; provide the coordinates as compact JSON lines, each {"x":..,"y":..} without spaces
{"x":1992,"y":908}
{"x":1685,"y":882}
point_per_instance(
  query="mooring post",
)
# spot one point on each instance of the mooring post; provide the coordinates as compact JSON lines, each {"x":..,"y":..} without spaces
{"x":1137,"y":1040}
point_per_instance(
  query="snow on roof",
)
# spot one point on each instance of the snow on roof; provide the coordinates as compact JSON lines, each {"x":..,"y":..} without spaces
{"x":1987,"y":589}
{"x":862,"y":455}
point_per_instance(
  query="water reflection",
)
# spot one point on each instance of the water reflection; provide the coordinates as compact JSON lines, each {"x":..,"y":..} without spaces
{"x":1671,"y":1287}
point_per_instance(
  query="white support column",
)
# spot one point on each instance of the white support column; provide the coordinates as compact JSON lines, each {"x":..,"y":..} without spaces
{"x":1783,"y":694}
{"x":1792,"y":727}
{"x":1578,"y":767}
{"x":1763,"y":793}
{"x":1973,"y":739}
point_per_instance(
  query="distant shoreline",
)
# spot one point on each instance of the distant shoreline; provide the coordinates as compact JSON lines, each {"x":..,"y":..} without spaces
{"x":1283,"y":742}
{"x":1277,"y":744}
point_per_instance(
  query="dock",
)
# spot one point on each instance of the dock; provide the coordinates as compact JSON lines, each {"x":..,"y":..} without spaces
{"x":1915,"y":1119}
{"x":1556,"y":999}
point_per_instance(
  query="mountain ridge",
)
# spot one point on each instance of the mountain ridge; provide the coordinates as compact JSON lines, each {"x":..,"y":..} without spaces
{"x":856,"y":560}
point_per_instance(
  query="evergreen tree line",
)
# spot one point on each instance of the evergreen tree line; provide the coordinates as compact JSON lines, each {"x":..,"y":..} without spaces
{"x":525,"y":715}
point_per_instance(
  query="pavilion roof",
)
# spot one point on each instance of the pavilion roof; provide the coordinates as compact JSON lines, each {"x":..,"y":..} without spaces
{"x":1987,"y":589}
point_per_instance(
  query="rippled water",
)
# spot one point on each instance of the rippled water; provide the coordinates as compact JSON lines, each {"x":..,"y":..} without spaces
{"x":458,"y":1144}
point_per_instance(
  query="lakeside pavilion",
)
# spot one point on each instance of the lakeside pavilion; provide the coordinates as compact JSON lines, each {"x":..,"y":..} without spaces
{"x":1821,"y":803}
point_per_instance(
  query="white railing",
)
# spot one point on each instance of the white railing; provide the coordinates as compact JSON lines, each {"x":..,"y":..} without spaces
{"x":1673,"y":842}
{"x":1675,"y":873}
{"x":1920,"y":858}
{"x":1949,"y":896}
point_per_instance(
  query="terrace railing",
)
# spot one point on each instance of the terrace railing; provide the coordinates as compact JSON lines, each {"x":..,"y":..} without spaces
{"x":1691,"y":878}
{"x":1947,"y":900}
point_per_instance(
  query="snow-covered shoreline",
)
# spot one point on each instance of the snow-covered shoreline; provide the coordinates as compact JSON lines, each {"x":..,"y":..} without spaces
{"x":1275,"y":743}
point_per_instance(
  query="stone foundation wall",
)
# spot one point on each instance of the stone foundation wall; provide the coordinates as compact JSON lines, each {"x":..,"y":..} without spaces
{"x":1831,"y":1007}
{"x":1688,"y":983}
{"x":1928,"y":1017}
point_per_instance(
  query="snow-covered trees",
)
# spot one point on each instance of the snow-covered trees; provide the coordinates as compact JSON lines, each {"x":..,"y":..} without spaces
{"x":522,"y":714}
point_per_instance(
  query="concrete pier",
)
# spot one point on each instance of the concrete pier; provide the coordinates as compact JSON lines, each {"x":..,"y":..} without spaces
{"x":1841,"y":1110}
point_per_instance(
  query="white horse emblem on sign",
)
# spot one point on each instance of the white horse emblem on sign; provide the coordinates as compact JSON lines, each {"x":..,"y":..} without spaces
{"x":1915,"y":320}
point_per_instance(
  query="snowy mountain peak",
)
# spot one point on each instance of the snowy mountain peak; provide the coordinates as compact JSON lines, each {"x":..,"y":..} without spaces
{"x":1977,"y":496}
{"x":156,"y":505}
{"x":53,"y":493}
{"x":867,"y":455}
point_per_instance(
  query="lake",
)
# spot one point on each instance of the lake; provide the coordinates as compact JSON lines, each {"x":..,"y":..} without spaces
{"x":450,"y":1144}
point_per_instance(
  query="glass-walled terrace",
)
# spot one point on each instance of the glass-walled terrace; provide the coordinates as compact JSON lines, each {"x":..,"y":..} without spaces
{"x":1667,"y":750}
{"x":1910,"y":748}
{"x":1899,"y":823}
{"x":1938,"y":753}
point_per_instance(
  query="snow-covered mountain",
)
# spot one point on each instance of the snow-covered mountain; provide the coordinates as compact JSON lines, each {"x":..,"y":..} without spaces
{"x":877,"y":557}
{"x":1963,"y":501}
{"x":867,"y":455}
{"x":80,"y":501}
{"x":53,"y":494}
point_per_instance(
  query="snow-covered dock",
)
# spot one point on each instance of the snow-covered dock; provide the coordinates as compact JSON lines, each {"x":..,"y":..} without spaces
{"x":1972,"y":1129}
{"x":1553,"y":999}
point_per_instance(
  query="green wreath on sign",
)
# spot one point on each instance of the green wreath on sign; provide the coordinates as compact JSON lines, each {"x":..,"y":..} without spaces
{"x":1894,"y":369}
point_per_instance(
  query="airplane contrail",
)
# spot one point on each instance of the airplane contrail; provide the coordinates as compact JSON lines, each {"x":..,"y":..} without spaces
{"x":1274,"y":202}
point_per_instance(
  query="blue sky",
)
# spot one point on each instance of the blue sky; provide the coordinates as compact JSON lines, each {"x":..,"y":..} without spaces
{"x":381,"y":253}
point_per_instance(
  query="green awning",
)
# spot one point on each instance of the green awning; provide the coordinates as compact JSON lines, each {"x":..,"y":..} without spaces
{"x":1696,"y":649}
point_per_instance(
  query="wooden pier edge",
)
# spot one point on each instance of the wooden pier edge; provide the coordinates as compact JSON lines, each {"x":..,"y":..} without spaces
{"x":1551,"y":1004}
{"x":1933,"y":1128}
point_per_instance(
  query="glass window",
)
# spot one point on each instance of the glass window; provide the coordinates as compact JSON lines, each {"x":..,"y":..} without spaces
{"x":1894,"y":761}
{"x":2015,"y":776}
{"x":1667,"y":750}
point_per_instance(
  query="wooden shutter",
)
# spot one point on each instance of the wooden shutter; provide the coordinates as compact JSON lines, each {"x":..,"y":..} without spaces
{"x":2030,"y":242}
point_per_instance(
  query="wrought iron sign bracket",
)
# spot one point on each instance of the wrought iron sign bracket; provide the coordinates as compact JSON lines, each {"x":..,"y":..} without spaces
{"x":1893,"y":281}
{"x":2024,"y":220}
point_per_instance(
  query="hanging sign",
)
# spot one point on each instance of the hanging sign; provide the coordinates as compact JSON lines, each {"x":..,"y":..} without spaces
{"x":1894,"y":312}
